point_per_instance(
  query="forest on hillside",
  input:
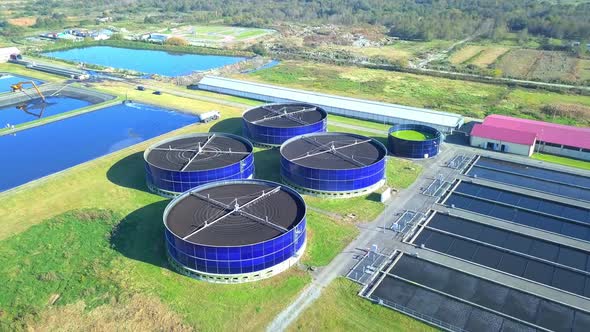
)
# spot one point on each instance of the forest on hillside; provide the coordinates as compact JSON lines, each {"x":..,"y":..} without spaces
{"x":406,"y":19}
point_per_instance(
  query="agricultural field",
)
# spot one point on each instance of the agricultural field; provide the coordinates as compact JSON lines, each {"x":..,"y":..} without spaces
{"x":471,"y":99}
{"x":466,"y":53}
{"x":543,"y":65}
{"x":217,"y":35}
{"x":400,"y":51}
{"x":23,"y":21}
{"x":479,"y":55}
{"x":489,"y":56}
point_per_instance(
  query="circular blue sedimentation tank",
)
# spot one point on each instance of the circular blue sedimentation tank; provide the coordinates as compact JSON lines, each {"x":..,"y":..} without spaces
{"x":235,"y":231}
{"x":178,"y":164}
{"x":417,"y":149}
{"x":333,"y":164}
{"x":273,"y":124}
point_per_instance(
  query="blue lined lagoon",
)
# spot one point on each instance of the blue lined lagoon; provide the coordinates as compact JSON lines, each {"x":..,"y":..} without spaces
{"x":6,"y":80}
{"x":40,"y":151}
{"x":35,"y":109}
{"x":145,"y":61}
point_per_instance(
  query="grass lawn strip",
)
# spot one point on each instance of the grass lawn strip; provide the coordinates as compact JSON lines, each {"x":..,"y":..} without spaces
{"x":562,"y":160}
{"x":339,"y":308}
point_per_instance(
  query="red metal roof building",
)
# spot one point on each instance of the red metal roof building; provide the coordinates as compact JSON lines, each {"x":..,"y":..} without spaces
{"x":499,"y":130}
{"x":504,"y":134}
{"x":578,"y":137}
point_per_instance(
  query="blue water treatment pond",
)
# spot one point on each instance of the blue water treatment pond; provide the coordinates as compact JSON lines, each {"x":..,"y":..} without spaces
{"x":6,"y":80}
{"x":33,"y":153}
{"x":145,"y":61}
{"x":35,"y":109}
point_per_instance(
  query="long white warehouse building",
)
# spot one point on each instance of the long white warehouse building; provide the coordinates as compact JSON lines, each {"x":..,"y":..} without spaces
{"x":349,"y":107}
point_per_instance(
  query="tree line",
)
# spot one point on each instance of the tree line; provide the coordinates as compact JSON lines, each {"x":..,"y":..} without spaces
{"x":406,"y":19}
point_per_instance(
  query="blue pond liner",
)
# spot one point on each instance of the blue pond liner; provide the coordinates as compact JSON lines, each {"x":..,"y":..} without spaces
{"x":40,"y":151}
{"x":6,"y":80}
{"x":145,"y":61}
{"x":35,"y":109}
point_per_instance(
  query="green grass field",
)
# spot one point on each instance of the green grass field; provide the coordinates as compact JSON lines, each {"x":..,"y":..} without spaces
{"x":218,"y":33}
{"x":328,"y":235}
{"x":411,"y":135}
{"x":467,"y":98}
{"x":101,"y":257}
{"x":562,"y":160}
{"x":339,"y":308}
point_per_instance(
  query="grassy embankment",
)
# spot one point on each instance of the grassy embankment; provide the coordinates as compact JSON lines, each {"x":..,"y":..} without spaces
{"x":338,"y":309}
{"x":65,"y":45}
{"x":467,"y":98}
{"x":562,"y":160}
{"x":131,"y":267}
{"x":24,"y":71}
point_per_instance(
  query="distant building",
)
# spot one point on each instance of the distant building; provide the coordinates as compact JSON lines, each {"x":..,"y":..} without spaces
{"x":144,"y":37}
{"x":107,"y":32}
{"x":524,"y":137}
{"x":503,"y":139}
{"x":83,"y":33}
{"x":104,"y":19}
{"x":67,"y":36}
{"x":50,"y":35}
{"x":577,"y":44}
{"x":6,"y":52}
{"x":157,"y":38}
{"x":102,"y":34}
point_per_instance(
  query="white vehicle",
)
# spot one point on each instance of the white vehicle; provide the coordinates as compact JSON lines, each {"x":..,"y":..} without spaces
{"x":209,"y":116}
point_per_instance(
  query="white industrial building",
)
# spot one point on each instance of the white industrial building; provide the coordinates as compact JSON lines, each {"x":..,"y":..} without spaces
{"x":6,"y":52}
{"x":349,"y":107}
{"x":503,"y":140}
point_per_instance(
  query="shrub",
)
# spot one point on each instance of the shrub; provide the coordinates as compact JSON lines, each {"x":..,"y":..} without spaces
{"x":176,"y":41}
